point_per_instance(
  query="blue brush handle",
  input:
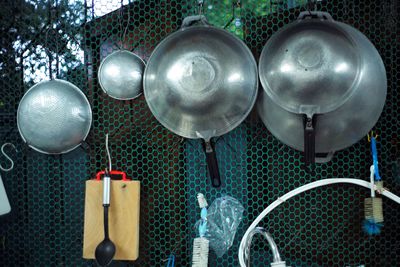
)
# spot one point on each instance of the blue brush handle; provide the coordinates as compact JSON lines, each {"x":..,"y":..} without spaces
{"x":203,"y":222}
{"x":171,"y":261}
{"x":375,"y":158}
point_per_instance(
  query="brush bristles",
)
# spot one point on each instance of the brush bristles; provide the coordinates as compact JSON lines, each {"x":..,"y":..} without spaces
{"x":373,"y":209}
{"x":200,"y":252}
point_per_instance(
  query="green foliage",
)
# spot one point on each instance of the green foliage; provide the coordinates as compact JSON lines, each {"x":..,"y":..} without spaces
{"x":36,"y":32}
{"x":232,"y":14}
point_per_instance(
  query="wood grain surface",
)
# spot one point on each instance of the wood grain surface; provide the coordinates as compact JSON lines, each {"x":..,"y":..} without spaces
{"x":123,"y":218}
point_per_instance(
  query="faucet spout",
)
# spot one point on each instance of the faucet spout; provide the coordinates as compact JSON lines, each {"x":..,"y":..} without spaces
{"x":271,"y":243}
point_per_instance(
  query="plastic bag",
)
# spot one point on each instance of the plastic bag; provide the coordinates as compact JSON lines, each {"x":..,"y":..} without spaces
{"x":223,"y":218}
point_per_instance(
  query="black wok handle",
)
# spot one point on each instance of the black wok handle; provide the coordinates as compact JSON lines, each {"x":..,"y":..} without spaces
{"x":315,"y":15}
{"x":309,"y":139}
{"x":212,"y":163}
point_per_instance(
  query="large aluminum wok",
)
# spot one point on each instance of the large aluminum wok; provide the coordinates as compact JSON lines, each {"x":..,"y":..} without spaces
{"x":324,"y":85}
{"x":201,"y":82}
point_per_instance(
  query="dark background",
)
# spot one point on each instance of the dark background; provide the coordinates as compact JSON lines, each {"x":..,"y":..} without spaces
{"x":68,"y":40}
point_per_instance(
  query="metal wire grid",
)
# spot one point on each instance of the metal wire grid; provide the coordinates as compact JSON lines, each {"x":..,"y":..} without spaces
{"x":319,"y":228}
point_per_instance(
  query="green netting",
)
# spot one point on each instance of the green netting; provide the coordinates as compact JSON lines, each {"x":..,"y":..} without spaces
{"x":319,"y":228}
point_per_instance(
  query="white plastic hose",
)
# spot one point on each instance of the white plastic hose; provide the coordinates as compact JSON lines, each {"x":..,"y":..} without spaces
{"x":302,"y":189}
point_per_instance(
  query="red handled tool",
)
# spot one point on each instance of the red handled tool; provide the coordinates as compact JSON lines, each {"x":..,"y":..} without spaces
{"x":114,"y":172}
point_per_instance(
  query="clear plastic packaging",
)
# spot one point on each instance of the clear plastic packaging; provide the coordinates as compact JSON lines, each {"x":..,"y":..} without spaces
{"x":223,"y":219}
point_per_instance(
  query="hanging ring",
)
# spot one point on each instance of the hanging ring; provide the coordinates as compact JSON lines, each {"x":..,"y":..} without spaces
{"x":7,"y":157}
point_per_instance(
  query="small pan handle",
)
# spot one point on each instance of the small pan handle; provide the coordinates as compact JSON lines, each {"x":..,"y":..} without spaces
{"x":189,"y":21}
{"x":309,"y":139}
{"x":315,"y":15}
{"x":212,"y":163}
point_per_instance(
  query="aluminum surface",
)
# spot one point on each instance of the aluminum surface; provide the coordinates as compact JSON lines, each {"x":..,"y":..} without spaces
{"x":348,"y":123}
{"x":121,"y":75}
{"x":310,"y":66}
{"x":201,"y":82}
{"x":54,"y":117}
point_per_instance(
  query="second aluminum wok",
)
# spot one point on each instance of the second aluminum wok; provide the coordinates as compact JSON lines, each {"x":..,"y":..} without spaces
{"x":201,"y":82}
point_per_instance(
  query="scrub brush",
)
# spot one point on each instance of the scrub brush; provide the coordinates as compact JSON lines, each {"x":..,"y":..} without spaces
{"x":201,"y":244}
{"x":373,"y":210}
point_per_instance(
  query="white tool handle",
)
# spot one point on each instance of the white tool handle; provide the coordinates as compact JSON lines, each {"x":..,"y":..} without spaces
{"x":106,"y":189}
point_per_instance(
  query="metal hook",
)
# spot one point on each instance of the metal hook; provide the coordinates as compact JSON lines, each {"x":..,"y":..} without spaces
{"x":371,"y":135}
{"x":233,"y":14}
{"x":108,"y":153}
{"x":48,"y":51}
{"x":121,"y":19}
{"x":7,"y":157}
{"x":126,"y":28}
{"x":200,"y":4}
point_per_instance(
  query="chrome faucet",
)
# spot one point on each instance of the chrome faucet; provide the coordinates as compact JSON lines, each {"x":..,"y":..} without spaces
{"x":277,"y":261}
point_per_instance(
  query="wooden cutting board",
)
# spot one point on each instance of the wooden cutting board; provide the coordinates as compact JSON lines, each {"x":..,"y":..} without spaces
{"x":123,"y":218}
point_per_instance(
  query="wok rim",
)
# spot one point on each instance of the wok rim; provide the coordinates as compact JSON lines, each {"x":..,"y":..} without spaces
{"x":338,"y":26}
{"x":222,"y":130}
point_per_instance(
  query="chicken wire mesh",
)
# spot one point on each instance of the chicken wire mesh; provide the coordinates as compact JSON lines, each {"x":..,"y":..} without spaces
{"x":68,"y":40}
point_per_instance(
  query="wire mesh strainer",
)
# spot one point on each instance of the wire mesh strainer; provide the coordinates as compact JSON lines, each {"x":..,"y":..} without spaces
{"x":54,"y":117}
